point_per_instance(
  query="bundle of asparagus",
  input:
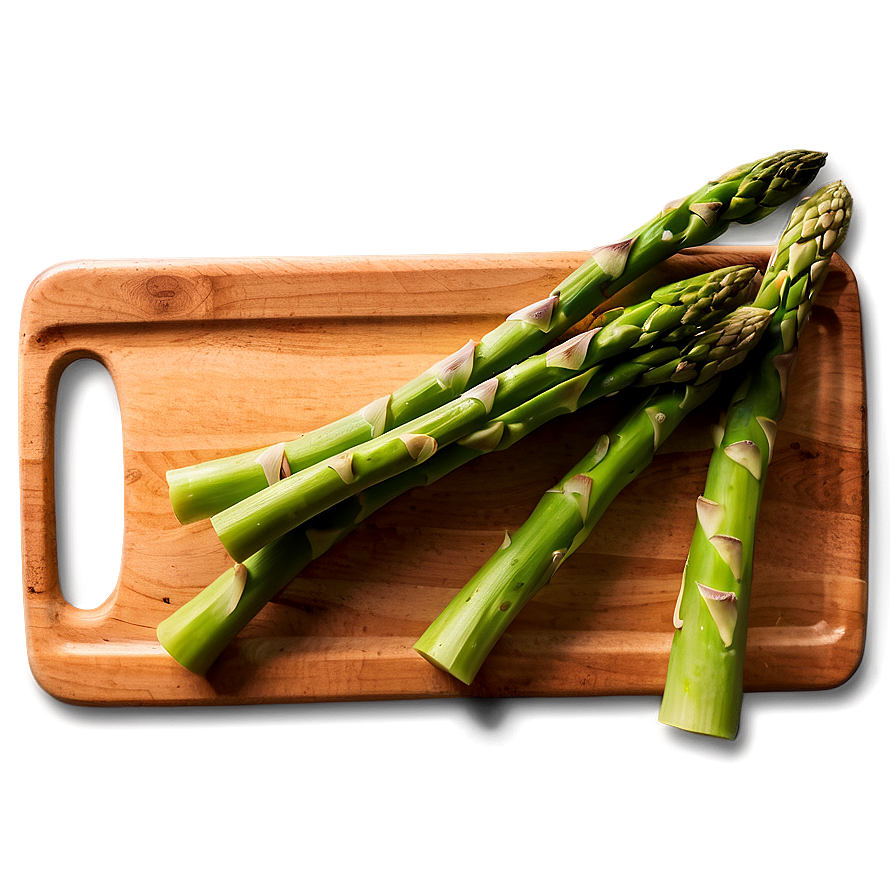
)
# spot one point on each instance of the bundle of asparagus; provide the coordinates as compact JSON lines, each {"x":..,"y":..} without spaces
{"x":278,"y":508}
{"x":704,"y":688}
{"x":196,"y":634}
{"x":247,"y":526}
{"x":743,"y":195}
{"x":462,"y":636}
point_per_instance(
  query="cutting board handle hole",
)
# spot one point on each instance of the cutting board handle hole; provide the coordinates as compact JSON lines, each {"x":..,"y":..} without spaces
{"x":89,"y":484}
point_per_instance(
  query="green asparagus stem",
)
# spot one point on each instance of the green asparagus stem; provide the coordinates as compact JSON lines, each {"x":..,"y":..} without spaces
{"x":196,"y":633}
{"x":246,"y":527}
{"x":704,"y":683}
{"x":460,"y":639}
{"x":744,"y":195}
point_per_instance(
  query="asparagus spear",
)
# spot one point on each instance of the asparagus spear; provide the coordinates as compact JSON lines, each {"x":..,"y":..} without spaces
{"x":462,"y":636}
{"x":704,"y":683}
{"x":744,"y":195}
{"x":196,"y":633}
{"x":247,"y":526}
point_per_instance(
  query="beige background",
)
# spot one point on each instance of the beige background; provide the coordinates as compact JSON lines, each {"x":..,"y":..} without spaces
{"x":197,"y":129}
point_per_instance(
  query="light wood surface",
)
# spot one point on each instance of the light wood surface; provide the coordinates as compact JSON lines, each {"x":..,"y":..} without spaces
{"x":216,"y":356}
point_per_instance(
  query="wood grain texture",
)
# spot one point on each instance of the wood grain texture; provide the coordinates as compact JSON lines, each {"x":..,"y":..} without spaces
{"x":217,"y":356}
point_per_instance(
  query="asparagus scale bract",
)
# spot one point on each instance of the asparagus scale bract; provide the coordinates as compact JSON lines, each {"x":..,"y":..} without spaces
{"x":196,"y":633}
{"x":744,"y":195}
{"x":704,"y":683}
{"x":246,"y":527}
{"x":462,"y":636}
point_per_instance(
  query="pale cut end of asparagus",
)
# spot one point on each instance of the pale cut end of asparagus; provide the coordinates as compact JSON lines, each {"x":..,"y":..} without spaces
{"x":710,"y":515}
{"x":420,"y":447}
{"x":539,"y":313}
{"x":375,"y":415}
{"x":731,"y":550}
{"x":571,"y":354}
{"x":453,"y":373}
{"x":484,"y":392}
{"x":748,"y":455}
{"x":238,"y":585}
{"x":612,"y":258}
{"x":344,"y":466}
{"x":274,"y":463}
{"x":722,"y":606}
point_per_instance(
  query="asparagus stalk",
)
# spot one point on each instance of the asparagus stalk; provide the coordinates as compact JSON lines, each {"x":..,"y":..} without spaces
{"x":462,"y":636}
{"x":246,"y":527}
{"x":744,"y":195}
{"x":704,"y":683}
{"x":196,"y":633}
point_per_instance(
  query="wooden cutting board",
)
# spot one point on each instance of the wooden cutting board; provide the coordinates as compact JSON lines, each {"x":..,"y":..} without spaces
{"x":217,"y":356}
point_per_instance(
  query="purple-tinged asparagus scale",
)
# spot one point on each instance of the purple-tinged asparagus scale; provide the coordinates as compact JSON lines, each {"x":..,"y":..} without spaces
{"x":704,"y":683}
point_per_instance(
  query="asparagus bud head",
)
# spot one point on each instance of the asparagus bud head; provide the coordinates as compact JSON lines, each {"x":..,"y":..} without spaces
{"x":768,"y":183}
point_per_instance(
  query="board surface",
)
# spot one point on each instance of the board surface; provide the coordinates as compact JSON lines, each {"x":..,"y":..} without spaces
{"x":212,"y":357}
